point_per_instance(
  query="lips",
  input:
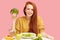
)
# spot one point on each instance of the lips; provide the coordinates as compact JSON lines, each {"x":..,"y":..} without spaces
{"x":29,"y":13}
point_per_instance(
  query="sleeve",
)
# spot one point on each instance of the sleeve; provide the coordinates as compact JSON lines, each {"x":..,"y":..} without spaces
{"x":40,"y":24}
{"x":18,"y":26}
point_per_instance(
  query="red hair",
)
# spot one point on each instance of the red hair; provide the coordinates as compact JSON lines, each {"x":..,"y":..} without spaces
{"x":33,"y":22}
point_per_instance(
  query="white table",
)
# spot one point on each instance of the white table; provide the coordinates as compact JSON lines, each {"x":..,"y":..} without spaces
{"x":30,"y":39}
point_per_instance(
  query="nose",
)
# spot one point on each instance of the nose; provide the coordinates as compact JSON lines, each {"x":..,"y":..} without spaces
{"x":30,"y":10}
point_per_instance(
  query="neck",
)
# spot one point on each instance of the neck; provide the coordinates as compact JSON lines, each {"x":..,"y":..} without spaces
{"x":28,"y":17}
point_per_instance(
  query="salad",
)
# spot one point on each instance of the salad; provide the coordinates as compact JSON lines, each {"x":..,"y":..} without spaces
{"x":38,"y":38}
{"x":28,"y":35}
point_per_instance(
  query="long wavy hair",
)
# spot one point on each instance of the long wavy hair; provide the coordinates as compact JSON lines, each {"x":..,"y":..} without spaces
{"x":33,"y":22}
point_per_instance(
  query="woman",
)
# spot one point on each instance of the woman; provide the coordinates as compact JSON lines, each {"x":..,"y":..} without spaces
{"x":30,"y":22}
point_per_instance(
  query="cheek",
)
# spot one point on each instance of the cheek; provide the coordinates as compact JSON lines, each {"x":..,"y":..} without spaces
{"x":26,"y":11}
{"x":29,"y":11}
{"x":32,"y":11}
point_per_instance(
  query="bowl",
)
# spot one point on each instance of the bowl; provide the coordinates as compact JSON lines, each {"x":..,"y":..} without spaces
{"x":28,"y":35}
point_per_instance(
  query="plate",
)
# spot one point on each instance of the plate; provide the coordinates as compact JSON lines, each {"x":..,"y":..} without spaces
{"x":28,"y":35}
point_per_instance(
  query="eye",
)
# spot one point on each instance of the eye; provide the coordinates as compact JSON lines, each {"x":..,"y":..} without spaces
{"x":32,"y":9}
{"x":28,"y":9}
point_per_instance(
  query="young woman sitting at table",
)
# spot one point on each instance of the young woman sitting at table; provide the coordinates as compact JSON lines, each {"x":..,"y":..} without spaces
{"x":30,"y":22}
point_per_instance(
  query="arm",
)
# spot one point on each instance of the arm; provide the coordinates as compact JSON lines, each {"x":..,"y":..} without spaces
{"x":41,"y":29}
{"x":40,"y":24}
{"x":18,"y":26}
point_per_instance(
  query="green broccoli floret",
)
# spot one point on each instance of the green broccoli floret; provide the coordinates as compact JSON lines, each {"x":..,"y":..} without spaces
{"x":14,"y":10}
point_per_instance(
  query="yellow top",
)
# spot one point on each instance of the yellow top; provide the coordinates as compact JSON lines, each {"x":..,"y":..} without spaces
{"x":22,"y":24}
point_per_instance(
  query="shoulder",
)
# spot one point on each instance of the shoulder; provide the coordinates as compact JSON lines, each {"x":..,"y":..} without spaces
{"x":21,"y":18}
{"x":40,"y":21}
{"x":39,"y":18}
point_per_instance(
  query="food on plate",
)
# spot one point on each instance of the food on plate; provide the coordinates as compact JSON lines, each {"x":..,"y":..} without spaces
{"x":38,"y":38}
{"x":28,"y":35}
{"x":18,"y":36}
{"x":39,"y":35}
{"x":8,"y":38}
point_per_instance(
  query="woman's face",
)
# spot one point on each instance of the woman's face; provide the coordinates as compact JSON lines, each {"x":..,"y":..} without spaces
{"x":29,"y":10}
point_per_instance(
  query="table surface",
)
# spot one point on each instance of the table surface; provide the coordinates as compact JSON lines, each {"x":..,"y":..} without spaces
{"x":29,"y":39}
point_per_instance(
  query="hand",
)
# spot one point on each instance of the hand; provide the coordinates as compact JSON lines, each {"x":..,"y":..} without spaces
{"x":47,"y":36}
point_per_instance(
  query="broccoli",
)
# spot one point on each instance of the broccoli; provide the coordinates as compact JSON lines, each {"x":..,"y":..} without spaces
{"x":14,"y":10}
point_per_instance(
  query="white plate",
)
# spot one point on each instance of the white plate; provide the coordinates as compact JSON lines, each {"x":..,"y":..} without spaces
{"x":28,"y":35}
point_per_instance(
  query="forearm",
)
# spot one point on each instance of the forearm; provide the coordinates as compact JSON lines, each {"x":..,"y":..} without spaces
{"x":47,"y":36}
